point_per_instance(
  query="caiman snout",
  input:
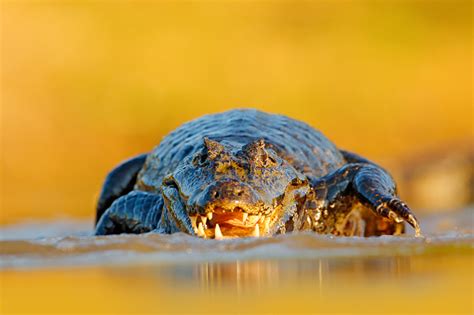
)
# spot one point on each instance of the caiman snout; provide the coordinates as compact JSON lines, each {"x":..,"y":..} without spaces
{"x":230,"y":191}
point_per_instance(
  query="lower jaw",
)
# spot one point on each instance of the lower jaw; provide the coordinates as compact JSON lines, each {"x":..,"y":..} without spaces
{"x":223,"y":231}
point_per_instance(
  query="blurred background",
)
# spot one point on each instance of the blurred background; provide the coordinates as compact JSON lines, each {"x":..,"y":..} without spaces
{"x":86,"y":84}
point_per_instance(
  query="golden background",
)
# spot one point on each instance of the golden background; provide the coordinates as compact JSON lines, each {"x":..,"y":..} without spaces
{"x":86,"y":84}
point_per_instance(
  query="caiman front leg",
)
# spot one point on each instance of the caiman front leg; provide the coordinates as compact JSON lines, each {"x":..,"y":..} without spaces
{"x":119,"y":182}
{"x":366,"y":183}
{"x":388,"y":201}
{"x":137,"y":212}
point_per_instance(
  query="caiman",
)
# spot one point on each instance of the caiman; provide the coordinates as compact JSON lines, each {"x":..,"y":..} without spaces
{"x":245,"y":173}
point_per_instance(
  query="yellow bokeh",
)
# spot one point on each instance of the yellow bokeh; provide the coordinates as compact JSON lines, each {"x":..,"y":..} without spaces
{"x":86,"y":84}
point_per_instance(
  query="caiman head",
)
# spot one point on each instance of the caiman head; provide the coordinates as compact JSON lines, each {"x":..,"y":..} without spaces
{"x":233,"y":190}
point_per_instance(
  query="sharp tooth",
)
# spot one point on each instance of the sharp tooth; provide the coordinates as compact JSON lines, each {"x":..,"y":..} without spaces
{"x":209,"y":215}
{"x":203,"y":220}
{"x":217,"y":233}
{"x":200,"y":230}
{"x":256,"y":231}
{"x":260,"y":218}
{"x":244,"y":217}
{"x":267,"y":225}
{"x":253,"y":219}
{"x":193,"y":220}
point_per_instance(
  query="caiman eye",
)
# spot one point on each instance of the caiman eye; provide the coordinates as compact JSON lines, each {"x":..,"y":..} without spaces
{"x":272,"y":160}
{"x":296,"y":182}
{"x":201,"y":159}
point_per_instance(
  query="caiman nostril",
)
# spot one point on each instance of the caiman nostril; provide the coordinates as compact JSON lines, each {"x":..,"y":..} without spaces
{"x":230,"y":191}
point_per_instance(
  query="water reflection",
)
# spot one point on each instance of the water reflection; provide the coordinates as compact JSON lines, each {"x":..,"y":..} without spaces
{"x":261,"y":274}
{"x":435,"y":282}
{"x":244,"y":275}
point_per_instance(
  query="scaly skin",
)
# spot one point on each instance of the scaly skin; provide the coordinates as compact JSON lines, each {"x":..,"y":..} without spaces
{"x":248,"y":173}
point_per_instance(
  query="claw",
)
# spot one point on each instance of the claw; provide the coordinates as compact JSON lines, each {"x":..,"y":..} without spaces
{"x":399,"y":212}
{"x":392,"y":215}
{"x":413,"y":222}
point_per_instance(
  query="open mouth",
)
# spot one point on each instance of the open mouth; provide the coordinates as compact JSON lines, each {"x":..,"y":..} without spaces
{"x":230,"y":219}
{"x":223,"y":223}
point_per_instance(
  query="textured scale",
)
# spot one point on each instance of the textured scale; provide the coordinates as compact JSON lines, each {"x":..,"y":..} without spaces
{"x":307,"y":149}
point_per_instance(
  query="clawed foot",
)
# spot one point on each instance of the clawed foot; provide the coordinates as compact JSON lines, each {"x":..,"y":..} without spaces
{"x":398,"y":211}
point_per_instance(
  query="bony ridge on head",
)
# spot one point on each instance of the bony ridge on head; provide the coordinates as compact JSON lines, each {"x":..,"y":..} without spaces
{"x":214,"y":148}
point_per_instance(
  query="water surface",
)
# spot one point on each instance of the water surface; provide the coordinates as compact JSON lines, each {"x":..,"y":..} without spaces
{"x":60,"y":267}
